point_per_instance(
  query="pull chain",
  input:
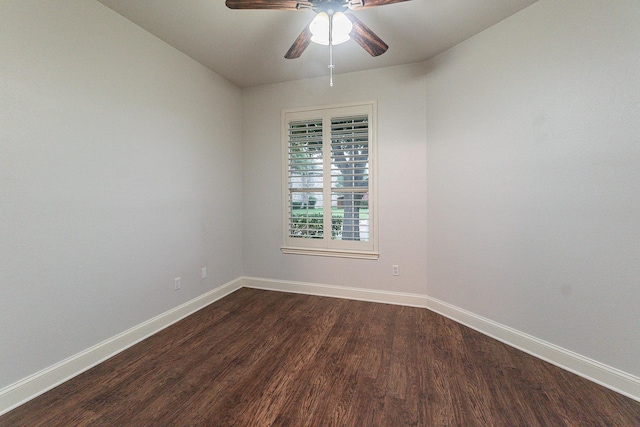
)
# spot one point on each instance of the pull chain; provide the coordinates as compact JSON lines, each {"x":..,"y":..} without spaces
{"x":331,"y":66}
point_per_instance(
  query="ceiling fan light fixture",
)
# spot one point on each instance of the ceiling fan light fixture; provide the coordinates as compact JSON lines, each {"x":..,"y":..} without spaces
{"x":319,"y":28}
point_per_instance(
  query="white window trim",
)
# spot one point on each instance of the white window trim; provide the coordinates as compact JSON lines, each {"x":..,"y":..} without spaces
{"x":327,"y":246}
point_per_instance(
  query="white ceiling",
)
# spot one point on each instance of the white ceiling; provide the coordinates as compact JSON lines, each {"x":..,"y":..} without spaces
{"x":247,"y":47}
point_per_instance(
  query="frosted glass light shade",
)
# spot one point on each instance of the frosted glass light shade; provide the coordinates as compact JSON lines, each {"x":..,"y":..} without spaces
{"x":319,"y":28}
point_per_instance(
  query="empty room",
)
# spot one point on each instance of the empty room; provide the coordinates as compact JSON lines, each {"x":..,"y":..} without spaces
{"x":320,"y":213}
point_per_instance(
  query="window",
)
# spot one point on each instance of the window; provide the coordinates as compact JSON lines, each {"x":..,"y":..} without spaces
{"x":329,"y":201}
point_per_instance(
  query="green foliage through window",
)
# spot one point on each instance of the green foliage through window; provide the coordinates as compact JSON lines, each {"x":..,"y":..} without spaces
{"x":310,"y":225}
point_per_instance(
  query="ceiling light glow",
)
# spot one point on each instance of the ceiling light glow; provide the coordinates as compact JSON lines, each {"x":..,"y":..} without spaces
{"x":319,"y":28}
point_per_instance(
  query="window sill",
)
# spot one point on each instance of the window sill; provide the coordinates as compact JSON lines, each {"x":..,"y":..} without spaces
{"x":330,"y":253}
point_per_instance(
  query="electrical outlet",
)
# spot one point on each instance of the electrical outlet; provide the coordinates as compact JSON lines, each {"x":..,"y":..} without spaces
{"x":177,"y":284}
{"x":204,"y":272}
{"x":395,"y":270}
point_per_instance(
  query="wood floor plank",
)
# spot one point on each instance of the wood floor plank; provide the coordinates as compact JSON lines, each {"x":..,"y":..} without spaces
{"x":298,"y":352}
{"x":375,"y":339}
{"x":260,"y":358}
{"x":441,"y":379}
{"x":178,"y":374}
{"x":310,"y":382}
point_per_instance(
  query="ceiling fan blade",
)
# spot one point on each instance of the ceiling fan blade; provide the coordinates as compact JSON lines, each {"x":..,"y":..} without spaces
{"x":373,"y":3}
{"x":366,"y":38}
{"x":267,"y":4}
{"x":300,"y":44}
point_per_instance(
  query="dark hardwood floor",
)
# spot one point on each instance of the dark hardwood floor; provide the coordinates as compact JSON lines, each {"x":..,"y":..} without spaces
{"x":259,"y":358}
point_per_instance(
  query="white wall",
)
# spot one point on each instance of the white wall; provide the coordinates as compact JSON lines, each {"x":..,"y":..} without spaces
{"x":402,"y":180}
{"x":120,"y":169}
{"x":533,"y":169}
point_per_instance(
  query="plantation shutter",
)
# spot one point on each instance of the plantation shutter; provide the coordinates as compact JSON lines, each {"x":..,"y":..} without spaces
{"x":305,"y":178}
{"x":327,"y":169}
{"x":350,"y":173}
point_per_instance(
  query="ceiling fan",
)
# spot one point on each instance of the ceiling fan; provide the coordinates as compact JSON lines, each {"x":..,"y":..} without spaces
{"x":331,"y":25}
{"x":331,"y":9}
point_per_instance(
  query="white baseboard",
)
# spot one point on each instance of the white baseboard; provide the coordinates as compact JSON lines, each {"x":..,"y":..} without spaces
{"x":40,"y":382}
{"x":612,"y":378}
{"x":386,"y":297}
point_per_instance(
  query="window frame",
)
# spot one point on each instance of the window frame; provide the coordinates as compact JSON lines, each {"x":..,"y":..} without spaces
{"x":326,"y":246}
